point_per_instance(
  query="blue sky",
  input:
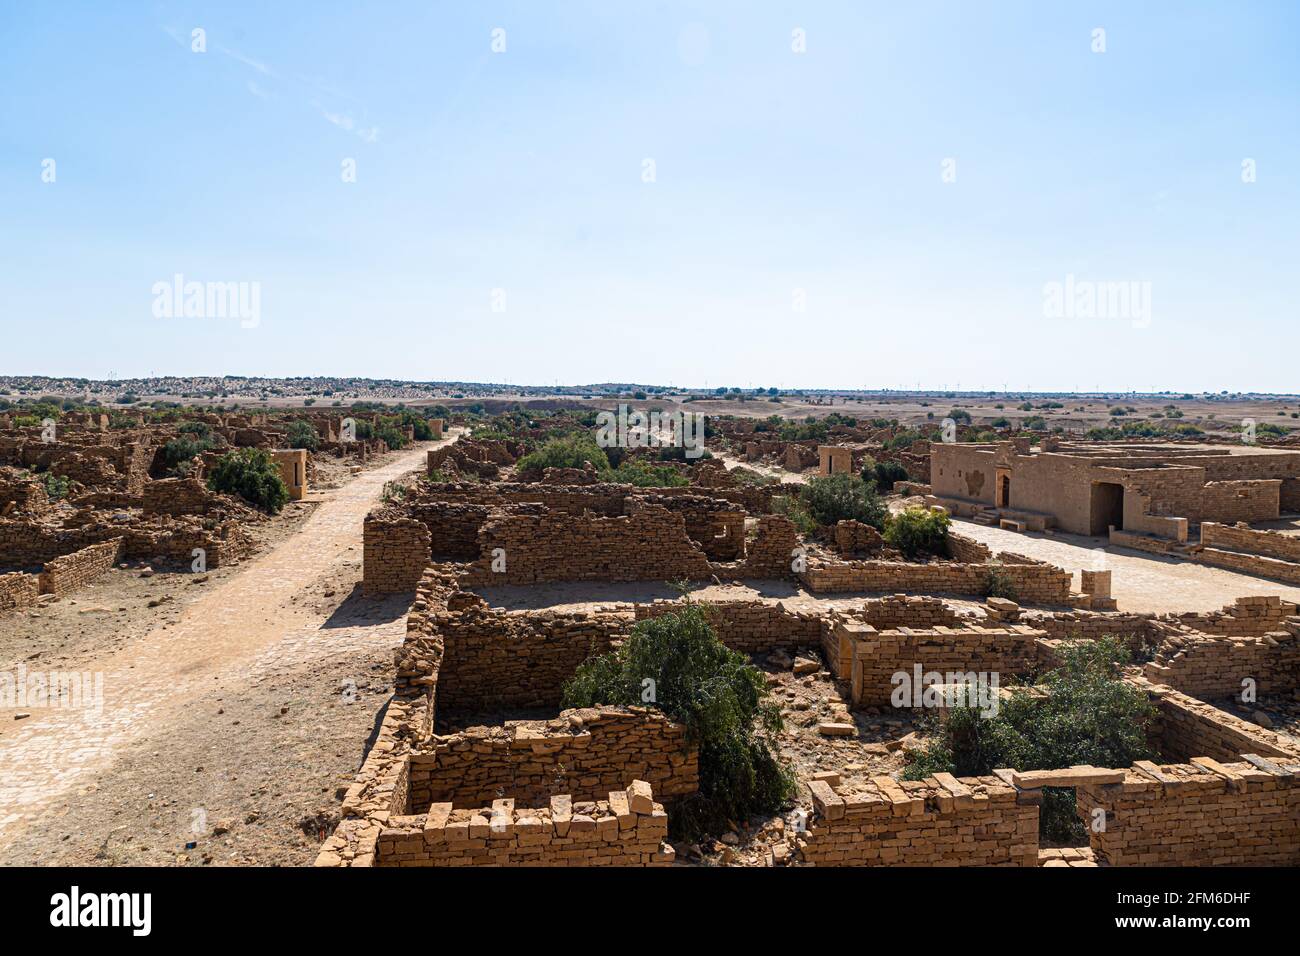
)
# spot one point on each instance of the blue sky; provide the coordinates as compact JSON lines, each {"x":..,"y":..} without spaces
{"x":778,"y":177}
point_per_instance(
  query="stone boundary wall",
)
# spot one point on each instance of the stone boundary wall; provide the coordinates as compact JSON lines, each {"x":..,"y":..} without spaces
{"x":1250,"y":500}
{"x":627,"y":829}
{"x":583,"y":752}
{"x":1269,"y":544}
{"x":453,"y":527}
{"x":1207,"y":667}
{"x":1252,"y":564}
{"x":1035,"y":583}
{"x":942,"y":820}
{"x":1198,"y":814}
{"x":395,"y":552}
{"x":1189,"y":728}
{"x":500,"y":660}
{"x":751,"y":627}
{"x":770,"y":555}
{"x":650,"y":545}
{"x":875,"y":656}
{"x":900,"y":610}
{"x":18,"y":590}
{"x":72,"y":571}
{"x":715,"y":525}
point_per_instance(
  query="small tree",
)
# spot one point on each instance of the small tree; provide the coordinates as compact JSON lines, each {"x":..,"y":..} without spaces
{"x":839,"y":497}
{"x":301,"y":434}
{"x":253,"y":475}
{"x":885,"y":474}
{"x":919,"y":531}
{"x":676,"y":664}
{"x":569,"y":451}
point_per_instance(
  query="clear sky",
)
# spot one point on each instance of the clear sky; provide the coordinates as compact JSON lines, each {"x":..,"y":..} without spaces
{"x":780,"y":179}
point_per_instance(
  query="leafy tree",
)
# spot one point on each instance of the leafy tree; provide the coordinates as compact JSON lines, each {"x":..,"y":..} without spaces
{"x":839,"y":497}
{"x":1088,"y":715}
{"x":253,"y":475}
{"x":885,"y":474}
{"x":919,"y":531}
{"x":721,"y":699}
{"x":569,"y":451}
{"x":301,"y":434}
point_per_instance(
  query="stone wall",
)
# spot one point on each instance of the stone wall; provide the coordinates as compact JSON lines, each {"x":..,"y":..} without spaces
{"x":1272,"y":544}
{"x":1207,"y":667}
{"x":649,"y":545}
{"x":1198,"y":814}
{"x":501,"y":660}
{"x":18,"y":590}
{"x":942,"y":820}
{"x":1230,"y":501}
{"x":1189,"y":728}
{"x":395,"y":552}
{"x":584,"y":753}
{"x":1034,"y":583}
{"x":626,"y":829}
{"x":751,"y":627}
{"x":71,"y":571}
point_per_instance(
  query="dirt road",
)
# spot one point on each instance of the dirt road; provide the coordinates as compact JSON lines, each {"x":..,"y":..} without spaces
{"x":254,"y":624}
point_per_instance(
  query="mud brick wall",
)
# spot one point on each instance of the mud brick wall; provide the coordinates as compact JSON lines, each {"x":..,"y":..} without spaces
{"x":649,"y":545}
{"x":626,"y":829}
{"x":395,"y":552}
{"x":970,"y":821}
{"x":1035,"y":583}
{"x":65,"y":574}
{"x":1190,"y":728}
{"x":1209,"y":667}
{"x":18,"y":590}
{"x":1271,"y":544}
{"x":751,"y":627}
{"x":1006,"y":651}
{"x":1229,"y":501}
{"x":585,"y":753}
{"x":516,"y":659}
{"x":1195,"y":816}
{"x":1289,"y":496}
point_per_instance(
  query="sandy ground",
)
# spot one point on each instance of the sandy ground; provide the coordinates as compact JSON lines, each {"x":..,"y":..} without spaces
{"x":232,"y":715}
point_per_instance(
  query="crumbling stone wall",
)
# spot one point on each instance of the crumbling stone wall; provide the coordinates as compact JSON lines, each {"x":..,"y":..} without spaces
{"x":770,"y":555}
{"x":1034,"y":582}
{"x":584,"y":753}
{"x":649,"y":545}
{"x":1229,"y":501}
{"x":942,"y":820}
{"x":395,"y":552}
{"x":1199,"y":814}
{"x":1207,"y":667}
{"x":751,"y":627}
{"x":18,"y":590}
{"x":72,"y":571}
{"x":1189,"y":728}
{"x":1271,"y":544}
{"x":626,"y":829}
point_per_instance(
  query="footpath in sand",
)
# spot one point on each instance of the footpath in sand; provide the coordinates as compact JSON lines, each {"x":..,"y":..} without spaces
{"x":252,"y":624}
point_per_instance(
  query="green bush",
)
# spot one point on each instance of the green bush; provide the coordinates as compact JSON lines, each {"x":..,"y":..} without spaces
{"x":252,"y":474}
{"x":196,"y":429}
{"x":919,"y":531}
{"x":180,"y":450}
{"x":392,"y":436}
{"x":570,"y":451}
{"x":57,"y":486}
{"x":645,"y":476}
{"x":1088,"y":715}
{"x":997,"y":583}
{"x":676,"y":664}
{"x":885,"y":474}
{"x":793,"y":507}
{"x":839,"y":497}
{"x":301,"y":434}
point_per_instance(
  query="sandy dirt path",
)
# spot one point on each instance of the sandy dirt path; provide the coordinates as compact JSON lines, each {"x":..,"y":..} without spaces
{"x":250,"y":621}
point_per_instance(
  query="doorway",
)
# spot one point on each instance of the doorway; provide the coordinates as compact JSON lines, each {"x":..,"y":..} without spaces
{"x":1107,"y":508}
{"x":1002,"y":489}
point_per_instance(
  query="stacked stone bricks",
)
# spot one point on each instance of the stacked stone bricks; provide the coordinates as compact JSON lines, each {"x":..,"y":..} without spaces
{"x":942,"y":820}
{"x":72,"y":571}
{"x":627,"y":829}
{"x":751,"y":627}
{"x":395,"y":552}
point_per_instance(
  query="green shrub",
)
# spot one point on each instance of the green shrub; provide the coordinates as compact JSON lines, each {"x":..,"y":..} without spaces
{"x":885,"y":474}
{"x":919,"y":531}
{"x":645,"y":476}
{"x":569,"y":451}
{"x":1088,"y":715}
{"x":676,"y":664}
{"x":301,"y":434}
{"x":180,"y":450}
{"x":793,"y":507}
{"x":839,"y":497}
{"x":997,"y":583}
{"x":57,"y":486}
{"x":252,"y":474}
{"x":392,"y":436}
